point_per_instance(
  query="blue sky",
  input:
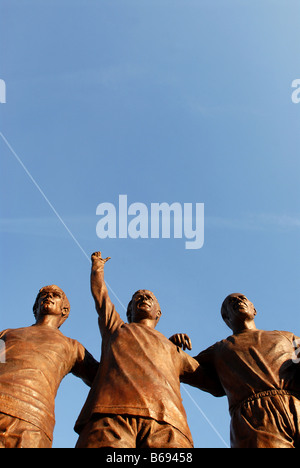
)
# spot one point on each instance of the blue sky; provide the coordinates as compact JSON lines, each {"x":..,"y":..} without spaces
{"x":163,"y":101}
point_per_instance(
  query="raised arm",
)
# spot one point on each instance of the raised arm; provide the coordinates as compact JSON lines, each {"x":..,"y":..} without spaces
{"x":98,"y":286}
{"x":109,"y":319}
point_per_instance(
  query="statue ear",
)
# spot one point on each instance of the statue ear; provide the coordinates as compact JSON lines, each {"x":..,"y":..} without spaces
{"x":158,"y":315}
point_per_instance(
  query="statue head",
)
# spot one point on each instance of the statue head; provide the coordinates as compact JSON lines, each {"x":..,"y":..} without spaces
{"x":236,"y":310}
{"x":51,"y":300}
{"x":143,"y":305}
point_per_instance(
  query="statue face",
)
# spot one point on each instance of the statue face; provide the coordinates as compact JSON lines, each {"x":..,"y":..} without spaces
{"x":239,"y":307}
{"x":50,"y":301}
{"x":144,"y":306}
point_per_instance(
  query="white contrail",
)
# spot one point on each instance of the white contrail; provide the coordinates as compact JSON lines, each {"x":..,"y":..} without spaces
{"x":54,"y":210}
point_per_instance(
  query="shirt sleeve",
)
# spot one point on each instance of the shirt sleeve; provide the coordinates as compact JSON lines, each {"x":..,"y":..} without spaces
{"x":109,"y":319}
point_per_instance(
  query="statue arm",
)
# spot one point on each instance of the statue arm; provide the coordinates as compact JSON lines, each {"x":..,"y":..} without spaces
{"x":98,"y":286}
{"x":86,"y":366}
{"x":199,"y":372}
{"x":108,"y":317}
{"x":205,"y":379}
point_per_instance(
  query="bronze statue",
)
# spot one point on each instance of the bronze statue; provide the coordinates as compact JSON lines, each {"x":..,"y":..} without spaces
{"x":36,"y":360}
{"x":255,"y":369}
{"x":135,"y":399}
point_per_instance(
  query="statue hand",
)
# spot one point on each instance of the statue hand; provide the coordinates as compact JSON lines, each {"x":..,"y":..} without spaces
{"x":98,"y":261}
{"x":182,"y":340}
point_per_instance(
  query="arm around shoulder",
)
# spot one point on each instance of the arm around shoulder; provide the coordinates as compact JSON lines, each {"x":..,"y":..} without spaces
{"x":204,"y":375}
{"x":86,"y":366}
